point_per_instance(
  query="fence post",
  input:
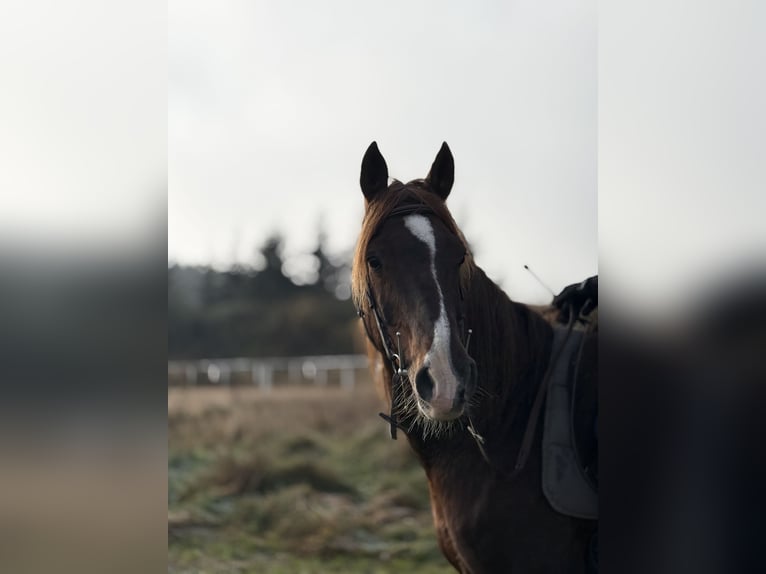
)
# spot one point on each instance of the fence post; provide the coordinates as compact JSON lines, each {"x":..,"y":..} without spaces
{"x":264,"y":376}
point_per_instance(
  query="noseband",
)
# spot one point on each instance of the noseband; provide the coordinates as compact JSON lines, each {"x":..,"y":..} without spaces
{"x":395,"y":358}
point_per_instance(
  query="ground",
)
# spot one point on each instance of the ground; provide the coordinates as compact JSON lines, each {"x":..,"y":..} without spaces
{"x":298,"y":480}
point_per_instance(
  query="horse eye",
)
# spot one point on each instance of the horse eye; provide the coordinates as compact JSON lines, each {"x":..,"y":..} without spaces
{"x":462,"y":259}
{"x":374,"y":262}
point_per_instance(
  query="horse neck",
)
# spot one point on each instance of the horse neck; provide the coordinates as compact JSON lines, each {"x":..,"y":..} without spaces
{"x":510,"y":344}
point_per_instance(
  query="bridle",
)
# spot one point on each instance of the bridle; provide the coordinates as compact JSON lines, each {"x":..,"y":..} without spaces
{"x":396,"y":359}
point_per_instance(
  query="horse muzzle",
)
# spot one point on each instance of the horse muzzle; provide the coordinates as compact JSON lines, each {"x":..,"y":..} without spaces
{"x":442,"y":394}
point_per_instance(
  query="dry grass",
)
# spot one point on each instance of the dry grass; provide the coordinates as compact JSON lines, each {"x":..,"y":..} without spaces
{"x":296,"y":480}
{"x":210,"y":415}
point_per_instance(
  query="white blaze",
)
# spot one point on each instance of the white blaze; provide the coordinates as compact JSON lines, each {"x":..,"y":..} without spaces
{"x":437,"y":359}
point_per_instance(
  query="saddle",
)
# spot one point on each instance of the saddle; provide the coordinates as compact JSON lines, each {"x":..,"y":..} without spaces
{"x":570,"y":442}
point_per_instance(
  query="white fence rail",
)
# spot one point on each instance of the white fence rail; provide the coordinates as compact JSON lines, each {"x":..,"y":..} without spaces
{"x":265,"y":372}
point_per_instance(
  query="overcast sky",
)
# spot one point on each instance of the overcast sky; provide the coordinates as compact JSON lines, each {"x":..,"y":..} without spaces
{"x":271,"y":106}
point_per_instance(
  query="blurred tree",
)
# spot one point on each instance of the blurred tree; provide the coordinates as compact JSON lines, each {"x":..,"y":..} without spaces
{"x":327,"y":270}
{"x":248,"y":312}
{"x":334,"y":273}
{"x":271,"y":281}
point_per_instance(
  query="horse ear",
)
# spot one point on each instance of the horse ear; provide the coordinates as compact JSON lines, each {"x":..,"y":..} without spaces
{"x":442,"y":174}
{"x":374,"y":177}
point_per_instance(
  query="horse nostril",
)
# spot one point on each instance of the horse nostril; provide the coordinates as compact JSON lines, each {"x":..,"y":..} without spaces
{"x":424,"y":384}
{"x":461,"y":395}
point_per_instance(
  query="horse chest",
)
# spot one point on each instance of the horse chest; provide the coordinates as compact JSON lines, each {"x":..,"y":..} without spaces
{"x":470,"y":510}
{"x":487,"y":524}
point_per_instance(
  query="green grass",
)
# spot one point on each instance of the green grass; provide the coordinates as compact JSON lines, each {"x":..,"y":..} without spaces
{"x":298,"y":481}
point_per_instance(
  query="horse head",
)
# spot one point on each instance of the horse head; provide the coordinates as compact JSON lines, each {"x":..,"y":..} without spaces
{"x":411,"y":268}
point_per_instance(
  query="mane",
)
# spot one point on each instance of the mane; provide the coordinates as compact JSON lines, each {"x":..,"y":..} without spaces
{"x":380,"y":209}
{"x":512,"y":346}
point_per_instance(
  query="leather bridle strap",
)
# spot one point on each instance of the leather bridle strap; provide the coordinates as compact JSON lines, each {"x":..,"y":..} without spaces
{"x":379,"y":322}
{"x":393,"y":358}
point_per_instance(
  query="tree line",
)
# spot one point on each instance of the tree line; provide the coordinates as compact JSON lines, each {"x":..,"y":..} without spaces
{"x":246,"y":311}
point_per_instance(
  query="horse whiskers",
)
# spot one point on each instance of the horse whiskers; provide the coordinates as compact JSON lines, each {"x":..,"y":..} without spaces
{"x":481,"y":391}
{"x":433,"y":429}
{"x":473,"y":403}
{"x":409,"y":414}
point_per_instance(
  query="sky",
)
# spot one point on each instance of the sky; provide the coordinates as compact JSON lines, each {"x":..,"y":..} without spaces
{"x":271,"y":106}
{"x":629,"y":141}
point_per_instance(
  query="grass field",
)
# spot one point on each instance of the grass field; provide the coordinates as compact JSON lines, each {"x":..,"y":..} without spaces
{"x":300,"y":480}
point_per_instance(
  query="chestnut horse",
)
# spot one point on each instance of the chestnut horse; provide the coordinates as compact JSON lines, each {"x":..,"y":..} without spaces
{"x":461,"y":365}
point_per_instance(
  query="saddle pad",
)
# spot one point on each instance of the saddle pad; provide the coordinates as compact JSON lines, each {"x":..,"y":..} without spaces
{"x":564,"y":484}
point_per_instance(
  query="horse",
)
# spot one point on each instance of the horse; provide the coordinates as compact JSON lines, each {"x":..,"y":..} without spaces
{"x":461,"y":366}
